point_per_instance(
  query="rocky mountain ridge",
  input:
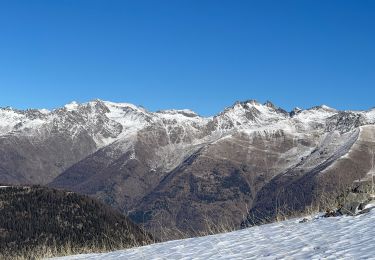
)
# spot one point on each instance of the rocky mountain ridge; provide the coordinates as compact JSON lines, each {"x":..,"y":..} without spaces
{"x":176,"y":169}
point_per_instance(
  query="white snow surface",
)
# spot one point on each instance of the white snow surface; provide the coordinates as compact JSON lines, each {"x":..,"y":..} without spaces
{"x":72,"y":106}
{"x":370,"y":115}
{"x":343,"y":237}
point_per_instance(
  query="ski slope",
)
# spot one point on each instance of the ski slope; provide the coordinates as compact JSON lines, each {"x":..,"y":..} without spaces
{"x":343,"y":237}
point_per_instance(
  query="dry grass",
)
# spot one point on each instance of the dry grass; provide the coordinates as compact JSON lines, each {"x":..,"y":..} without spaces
{"x":56,"y":250}
{"x":323,"y":203}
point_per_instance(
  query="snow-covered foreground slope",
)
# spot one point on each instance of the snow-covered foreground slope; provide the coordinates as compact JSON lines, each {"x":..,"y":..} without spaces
{"x":322,"y":238}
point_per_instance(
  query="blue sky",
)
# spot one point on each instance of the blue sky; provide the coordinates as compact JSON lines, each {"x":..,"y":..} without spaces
{"x":201,"y":54}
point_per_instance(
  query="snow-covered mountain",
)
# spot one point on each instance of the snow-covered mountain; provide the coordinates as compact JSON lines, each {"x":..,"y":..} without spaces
{"x":180,"y":171}
{"x":106,"y":122}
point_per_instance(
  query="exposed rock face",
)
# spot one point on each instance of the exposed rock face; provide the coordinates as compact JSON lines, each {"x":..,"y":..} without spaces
{"x":358,"y":199}
{"x":174,"y":170}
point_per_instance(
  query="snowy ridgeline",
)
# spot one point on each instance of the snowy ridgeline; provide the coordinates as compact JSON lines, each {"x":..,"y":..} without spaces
{"x":320,"y":238}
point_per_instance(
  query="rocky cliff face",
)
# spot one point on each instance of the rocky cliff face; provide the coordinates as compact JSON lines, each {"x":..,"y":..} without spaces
{"x":175,"y":170}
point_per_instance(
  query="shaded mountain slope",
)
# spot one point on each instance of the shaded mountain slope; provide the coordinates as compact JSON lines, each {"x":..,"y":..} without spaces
{"x":37,"y":220}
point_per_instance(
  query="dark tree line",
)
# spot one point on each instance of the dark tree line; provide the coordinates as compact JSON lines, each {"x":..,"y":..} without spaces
{"x":34,"y":217}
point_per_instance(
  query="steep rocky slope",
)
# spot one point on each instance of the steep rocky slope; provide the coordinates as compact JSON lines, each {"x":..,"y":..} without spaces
{"x":36,"y":146}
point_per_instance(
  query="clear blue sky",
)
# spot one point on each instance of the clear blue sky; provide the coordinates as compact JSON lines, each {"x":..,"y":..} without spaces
{"x":202,"y":55}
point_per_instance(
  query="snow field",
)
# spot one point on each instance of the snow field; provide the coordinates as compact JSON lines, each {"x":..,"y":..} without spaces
{"x":343,"y":237}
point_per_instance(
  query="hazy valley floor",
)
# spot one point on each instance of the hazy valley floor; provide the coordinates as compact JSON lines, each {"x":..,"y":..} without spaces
{"x":343,"y":237}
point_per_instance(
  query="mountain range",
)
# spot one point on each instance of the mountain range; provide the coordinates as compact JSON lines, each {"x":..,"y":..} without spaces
{"x":176,"y":172}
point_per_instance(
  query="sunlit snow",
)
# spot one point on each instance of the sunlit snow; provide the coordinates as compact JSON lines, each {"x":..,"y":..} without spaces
{"x":343,"y":237}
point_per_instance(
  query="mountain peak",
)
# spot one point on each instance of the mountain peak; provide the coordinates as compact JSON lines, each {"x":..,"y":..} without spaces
{"x":251,"y":101}
{"x":121,"y":106}
{"x":323,"y":107}
{"x":327,"y":107}
{"x":295,"y":111}
{"x":270,"y":104}
{"x":245,"y":102}
{"x":185,"y":112}
{"x":71,"y":106}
